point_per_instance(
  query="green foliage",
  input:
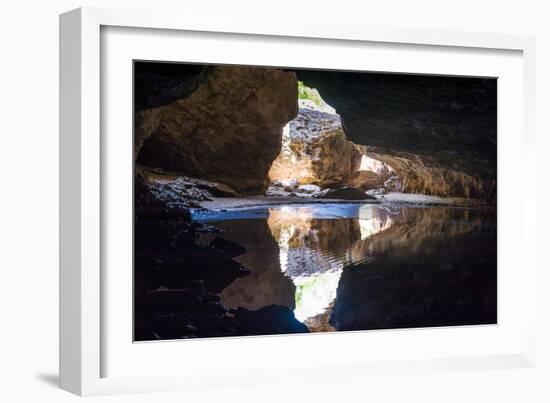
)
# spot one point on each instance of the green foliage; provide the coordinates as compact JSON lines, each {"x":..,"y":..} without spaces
{"x":305,"y":92}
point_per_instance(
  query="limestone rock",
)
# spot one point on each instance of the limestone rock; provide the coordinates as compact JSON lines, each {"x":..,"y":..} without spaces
{"x":425,"y":174}
{"x":180,"y":192}
{"x":228,"y":130}
{"x":450,"y":119}
{"x":316,"y":151}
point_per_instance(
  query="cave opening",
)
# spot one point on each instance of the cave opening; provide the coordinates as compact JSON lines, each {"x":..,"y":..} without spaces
{"x":273,"y":200}
{"x":316,"y":156}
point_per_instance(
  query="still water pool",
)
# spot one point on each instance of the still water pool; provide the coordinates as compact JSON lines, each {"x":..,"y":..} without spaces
{"x":365,"y":266}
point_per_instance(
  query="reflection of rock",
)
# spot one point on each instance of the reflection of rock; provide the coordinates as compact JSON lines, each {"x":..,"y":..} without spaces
{"x":315,"y":151}
{"x":371,"y":222}
{"x":314,"y":251}
{"x":419,"y":275}
{"x":347,"y":193}
{"x":176,"y":279}
{"x":234,"y":114}
{"x":309,"y":245}
{"x":266,"y":284}
{"x":416,"y":230}
{"x":320,"y":322}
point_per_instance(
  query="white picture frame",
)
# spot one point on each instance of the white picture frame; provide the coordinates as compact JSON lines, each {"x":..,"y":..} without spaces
{"x":82,"y":175}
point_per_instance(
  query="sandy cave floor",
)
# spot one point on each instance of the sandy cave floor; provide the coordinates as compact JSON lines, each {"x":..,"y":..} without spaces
{"x":221,"y":203}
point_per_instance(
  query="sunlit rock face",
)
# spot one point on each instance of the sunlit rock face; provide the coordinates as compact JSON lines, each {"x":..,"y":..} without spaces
{"x":438,"y":133}
{"x":424,"y":174}
{"x":374,"y":176}
{"x":315,"y":149}
{"x":228,"y":129}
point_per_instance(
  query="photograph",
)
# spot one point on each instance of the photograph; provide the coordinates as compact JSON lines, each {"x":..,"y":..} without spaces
{"x":281,"y":200}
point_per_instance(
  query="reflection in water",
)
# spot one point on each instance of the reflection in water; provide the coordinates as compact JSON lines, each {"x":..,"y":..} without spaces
{"x":307,"y":252}
{"x":352,"y":266}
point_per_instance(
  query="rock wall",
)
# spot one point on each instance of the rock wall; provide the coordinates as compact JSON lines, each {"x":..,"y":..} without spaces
{"x":440,"y":132}
{"x":227,"y":130}
{"x":424,"y":174}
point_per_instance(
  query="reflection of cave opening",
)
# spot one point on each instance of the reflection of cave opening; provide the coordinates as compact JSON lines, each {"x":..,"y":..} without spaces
{"x":307,"y":255}
{"x":316,"y":155}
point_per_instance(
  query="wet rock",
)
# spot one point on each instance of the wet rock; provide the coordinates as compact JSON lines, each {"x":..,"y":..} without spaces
{"x":227,"y":130}
{"x":347,"y":193}
{"x":147,"y":206}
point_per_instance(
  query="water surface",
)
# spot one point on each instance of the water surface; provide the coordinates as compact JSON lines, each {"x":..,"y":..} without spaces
{"x":365,"y":266}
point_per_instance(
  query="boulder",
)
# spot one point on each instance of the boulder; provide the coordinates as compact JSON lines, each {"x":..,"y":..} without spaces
{"x":347,"y":193}
{"x":147,"y":206}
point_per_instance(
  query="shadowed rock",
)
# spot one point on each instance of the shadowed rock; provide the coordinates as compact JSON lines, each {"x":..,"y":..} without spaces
{"x":227,"y":130}
{"x":347,"y":193}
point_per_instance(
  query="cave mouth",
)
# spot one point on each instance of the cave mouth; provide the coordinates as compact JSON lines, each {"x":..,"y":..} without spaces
{"x":327,"y":247}
{"x":316,"y":156}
